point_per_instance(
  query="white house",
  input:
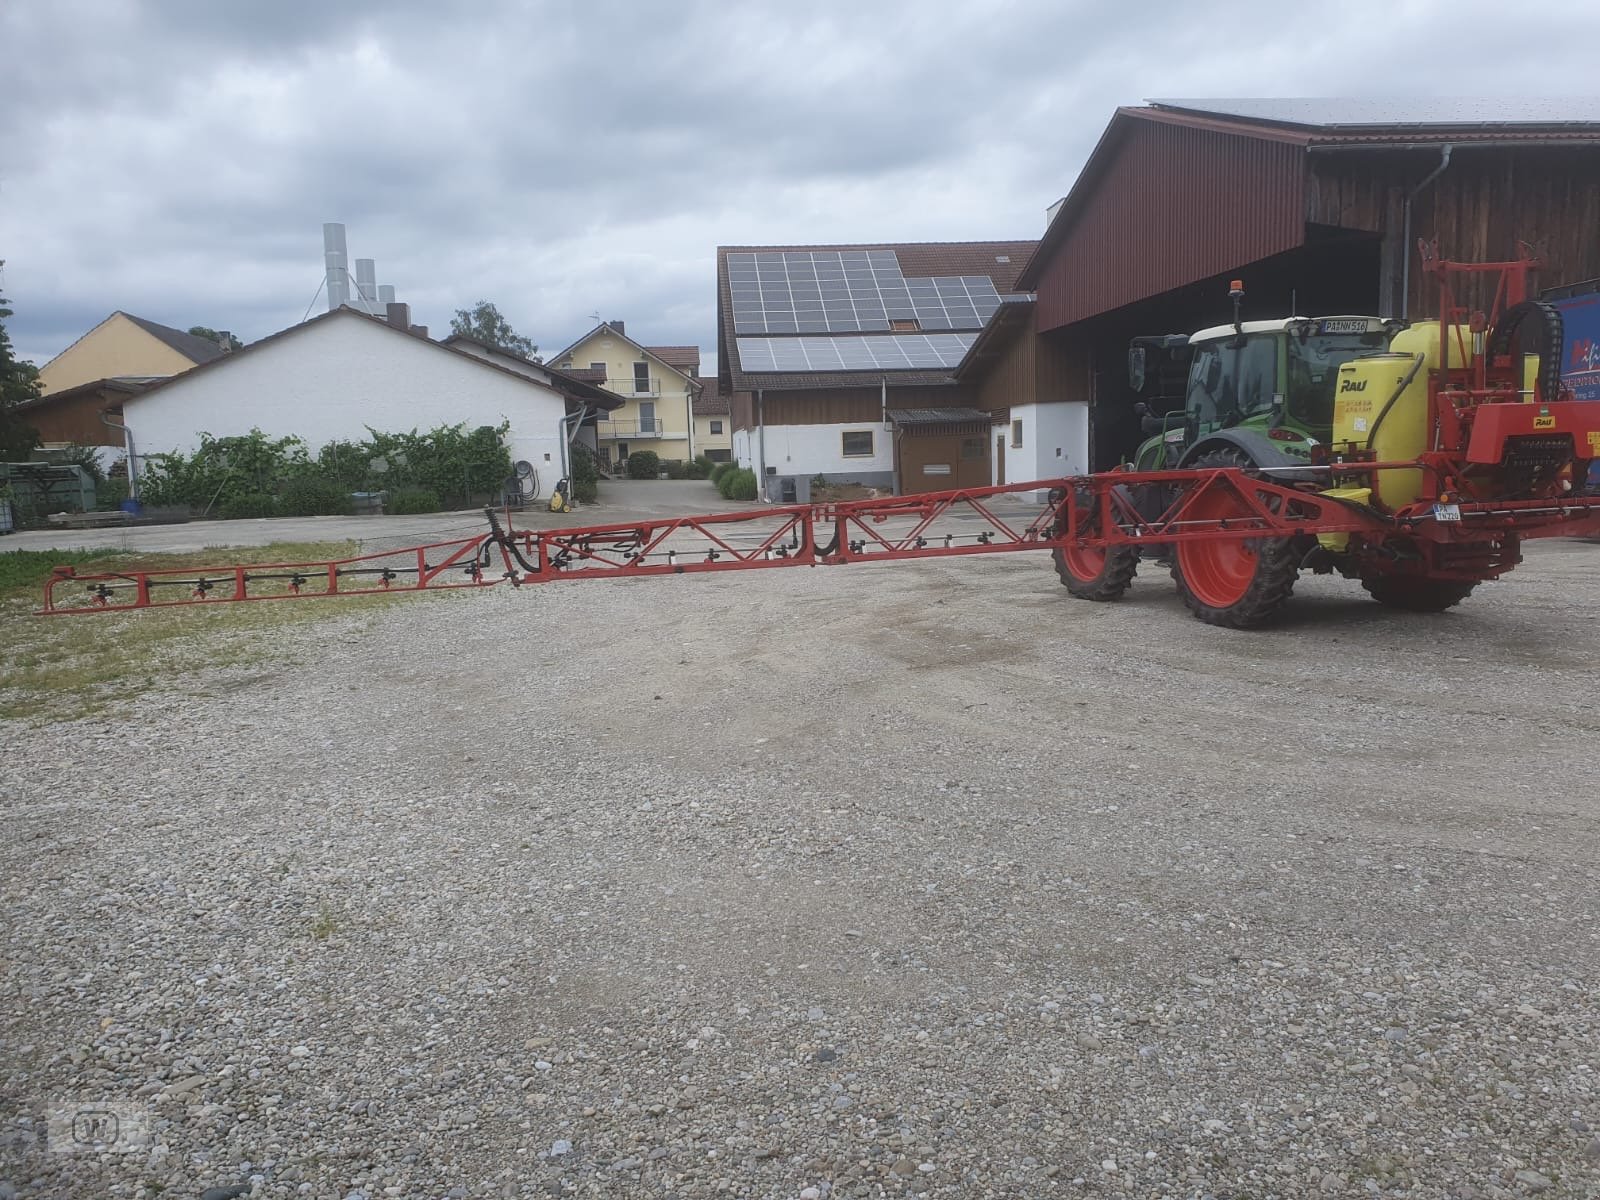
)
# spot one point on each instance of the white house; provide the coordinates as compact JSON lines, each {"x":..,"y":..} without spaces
{"x":344,"y":372}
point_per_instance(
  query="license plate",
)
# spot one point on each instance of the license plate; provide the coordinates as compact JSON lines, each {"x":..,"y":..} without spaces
{"x":1447,"y":512}
{"x":1344,"y":327}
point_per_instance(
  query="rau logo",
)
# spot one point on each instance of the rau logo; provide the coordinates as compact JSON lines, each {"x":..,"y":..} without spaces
{"x":1352,"y":385}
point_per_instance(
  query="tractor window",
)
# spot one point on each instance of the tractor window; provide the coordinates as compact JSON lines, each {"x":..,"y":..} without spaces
{"x":1314,"y":373}
{"x":1226,"y":384}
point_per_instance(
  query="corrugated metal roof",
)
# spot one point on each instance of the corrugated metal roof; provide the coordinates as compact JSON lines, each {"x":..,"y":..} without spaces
{"x":938,"y":416}
{"x":1368,"y":112}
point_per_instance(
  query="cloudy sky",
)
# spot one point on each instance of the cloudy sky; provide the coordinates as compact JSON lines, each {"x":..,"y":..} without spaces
{"x":567,"y":160}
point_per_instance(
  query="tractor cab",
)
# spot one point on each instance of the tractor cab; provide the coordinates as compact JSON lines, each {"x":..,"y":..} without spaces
{"x":1265,"y":388}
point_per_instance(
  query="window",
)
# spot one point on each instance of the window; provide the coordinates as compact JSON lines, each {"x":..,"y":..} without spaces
{"x":857,"y":443}
{"x":716,"y":427}
{"x":973,"y":447}
{"x":903,"y":325}
{"x":1228,"y":383}
{"x":1016,"y":435}
{"x":601,"y":367}
{"x":641,"y":377}
{"x":566,"y":365}
{"x":647,"y":418}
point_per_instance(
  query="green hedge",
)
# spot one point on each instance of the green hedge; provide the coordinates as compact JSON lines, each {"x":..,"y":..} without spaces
{"x":413,"y":500}
{"x":699,"y":468}
{"x":737,"y":484}
{"x":644,"y":464}
{"x":453,"y":462}
{"x":585,"y":477}
{"x":250,"y":507}
{"x":718,"y":470}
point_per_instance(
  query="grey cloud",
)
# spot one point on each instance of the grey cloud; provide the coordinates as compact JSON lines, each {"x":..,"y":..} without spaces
{"x":177,"y":159}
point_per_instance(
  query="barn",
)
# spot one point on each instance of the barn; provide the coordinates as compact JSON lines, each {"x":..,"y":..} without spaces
{"x":1316,"y":205}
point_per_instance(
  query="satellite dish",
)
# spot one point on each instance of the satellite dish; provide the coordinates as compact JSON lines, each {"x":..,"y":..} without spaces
{"x":524,"y":469}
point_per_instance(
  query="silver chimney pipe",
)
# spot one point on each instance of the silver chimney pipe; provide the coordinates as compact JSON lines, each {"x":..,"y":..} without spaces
{"x":385,"y":296}
{"x":367,"y":285}
{"x":336,"y":264}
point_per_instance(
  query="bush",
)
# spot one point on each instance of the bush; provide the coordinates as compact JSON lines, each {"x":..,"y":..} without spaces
{"x":699,"y":468}
{"x":585,"y":478}
{"x":249,"y":507}
{"x":413,"y":500}
{"x":743,"y":485}
{"x":644,"y":464}
{"x":674,"y":468}
{"x":718,"y":470}
{"x":109,"y":495}
{"x":311,"y":496}
{"x":724,"y":483}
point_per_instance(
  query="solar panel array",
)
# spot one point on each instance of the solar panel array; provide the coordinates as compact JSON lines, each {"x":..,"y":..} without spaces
{"x":892,"y":352}
{"x":849,"y":291}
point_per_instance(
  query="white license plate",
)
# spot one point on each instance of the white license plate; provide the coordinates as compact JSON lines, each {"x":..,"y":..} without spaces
{"x":1344,"y":327}
{"x":1447,"y":512}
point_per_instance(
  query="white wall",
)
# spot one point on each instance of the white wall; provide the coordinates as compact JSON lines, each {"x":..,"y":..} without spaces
{"x":818,"y":449}
{"x":744,"y":447}
{"x":1055,"y":442}
{"x":335,"y":378}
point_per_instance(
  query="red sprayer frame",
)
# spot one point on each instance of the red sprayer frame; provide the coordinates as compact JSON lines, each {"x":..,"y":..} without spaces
{"x":1094,"y":511}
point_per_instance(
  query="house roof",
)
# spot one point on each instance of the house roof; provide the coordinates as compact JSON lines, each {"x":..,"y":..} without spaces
{"x":708,"y":400}
{"x":685,"y":358}
{"x":604,"y":400}
{"x":125,"y":385}
{"x":196,"y":349}
{"x":1001,"y":261}
{"x":999,"y":333}
{"x":910,"y":418}
{"x":1329,"y":125}
{"x":655,"y":352}
{"x":583,"y":385}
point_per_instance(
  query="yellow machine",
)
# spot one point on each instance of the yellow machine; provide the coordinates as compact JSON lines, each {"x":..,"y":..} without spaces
{"x":1381,"y":405}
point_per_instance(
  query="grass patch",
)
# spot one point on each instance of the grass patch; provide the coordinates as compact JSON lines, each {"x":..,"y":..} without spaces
{"x":325,"y":926}
{"x":56,"y":668}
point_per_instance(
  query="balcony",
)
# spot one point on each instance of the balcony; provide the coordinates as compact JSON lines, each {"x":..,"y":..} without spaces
{"x":633,"y":387}
{"x":623,"y":430}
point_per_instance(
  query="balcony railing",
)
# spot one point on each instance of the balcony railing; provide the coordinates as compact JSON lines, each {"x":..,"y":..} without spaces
{"x":633,"y":387}
{"x":634,"y":429}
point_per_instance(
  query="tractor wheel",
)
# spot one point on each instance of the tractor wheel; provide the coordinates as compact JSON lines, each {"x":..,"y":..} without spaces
{"x":1239,"y":584}
{"x":1417,"y":595}
{"x":1095,"y":573}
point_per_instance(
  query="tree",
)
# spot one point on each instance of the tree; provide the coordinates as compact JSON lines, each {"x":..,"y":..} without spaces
{"x":19,"y":382}
{"x":483,"y":323}
{"x":211,"y":335}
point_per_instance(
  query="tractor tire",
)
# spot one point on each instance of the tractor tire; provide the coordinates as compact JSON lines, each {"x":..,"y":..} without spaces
{"x":1095,"y":574}
{"x":1238,"y":585}
{"x":1417,"y":595}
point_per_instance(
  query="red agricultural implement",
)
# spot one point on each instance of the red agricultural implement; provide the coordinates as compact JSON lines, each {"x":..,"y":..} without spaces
{"x":1445,"y":453}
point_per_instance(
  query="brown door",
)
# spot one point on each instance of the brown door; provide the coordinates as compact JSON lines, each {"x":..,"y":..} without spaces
{"x":1000,"y":458}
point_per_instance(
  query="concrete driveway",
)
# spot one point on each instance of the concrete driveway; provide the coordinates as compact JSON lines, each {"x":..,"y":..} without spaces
{"x":620,"y":500}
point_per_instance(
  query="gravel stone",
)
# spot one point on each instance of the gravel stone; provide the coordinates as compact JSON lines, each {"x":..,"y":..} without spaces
{"x":393,"y":903}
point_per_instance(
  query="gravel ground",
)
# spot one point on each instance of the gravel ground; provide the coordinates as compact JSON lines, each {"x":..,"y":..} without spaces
{"x":915,"y":880}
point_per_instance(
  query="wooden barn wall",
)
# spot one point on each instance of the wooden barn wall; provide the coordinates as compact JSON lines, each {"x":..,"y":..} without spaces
{"x":1486,"y":200}
{"x":742,"y":410}
{"x":76,"y":420}
{"x":830,"y":406}
{"x":1009,"y":379}
{"x":1172,"y":206}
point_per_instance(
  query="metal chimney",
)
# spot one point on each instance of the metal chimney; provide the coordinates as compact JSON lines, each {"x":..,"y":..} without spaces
{"x":336,"y":265}
{"x":367,"y":285}
{"x":385,"y":295}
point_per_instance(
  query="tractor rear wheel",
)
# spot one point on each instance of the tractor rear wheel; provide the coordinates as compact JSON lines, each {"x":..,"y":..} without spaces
{"x":1238,"y":584}
{"x":1417,"y":595}
{"x":1095,"y":573}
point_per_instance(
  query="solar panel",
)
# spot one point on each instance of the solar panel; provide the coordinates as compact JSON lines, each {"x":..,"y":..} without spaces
{"x":891,"y":352}
{"x":849,"y":291}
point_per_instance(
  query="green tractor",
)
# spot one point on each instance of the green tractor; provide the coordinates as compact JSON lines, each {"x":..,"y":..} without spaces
{"x":1254,"y":395}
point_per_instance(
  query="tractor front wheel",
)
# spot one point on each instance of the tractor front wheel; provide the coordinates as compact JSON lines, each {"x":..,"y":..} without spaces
{"x":1417,"y":595}
{"x":1240,"y":584}
{"x":1094,"y":573}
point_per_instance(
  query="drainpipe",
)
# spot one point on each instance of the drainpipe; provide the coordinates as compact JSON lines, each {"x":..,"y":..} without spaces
{"x":688,"y":408}
{"x":761,"y":447}
{"x":1405,"y":237}
{"x":127,"y":446}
